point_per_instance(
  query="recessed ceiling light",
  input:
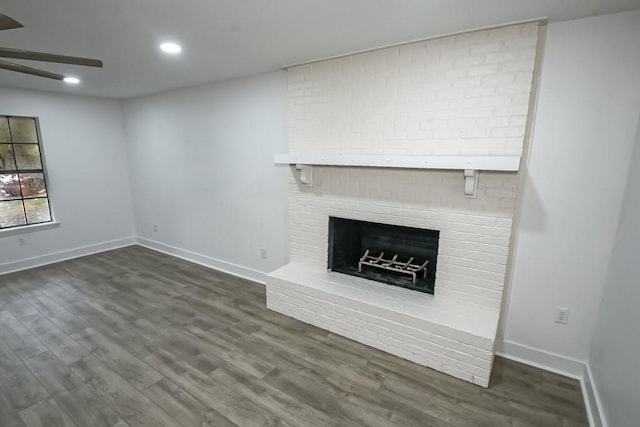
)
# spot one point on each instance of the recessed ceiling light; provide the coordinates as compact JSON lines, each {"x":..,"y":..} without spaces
{"x":71,"y":80}
{"x":172,"y":48}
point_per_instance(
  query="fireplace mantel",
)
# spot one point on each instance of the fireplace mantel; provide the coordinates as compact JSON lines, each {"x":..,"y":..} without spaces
{"x":469,"y":164}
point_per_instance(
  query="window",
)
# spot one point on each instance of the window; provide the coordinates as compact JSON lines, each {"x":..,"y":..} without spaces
{"x":23,"y":189}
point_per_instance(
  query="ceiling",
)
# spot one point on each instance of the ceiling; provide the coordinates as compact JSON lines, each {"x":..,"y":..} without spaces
{"x":223,"y":39}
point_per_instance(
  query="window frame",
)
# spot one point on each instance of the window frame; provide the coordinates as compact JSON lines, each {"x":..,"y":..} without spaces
{"x":23,"y":228}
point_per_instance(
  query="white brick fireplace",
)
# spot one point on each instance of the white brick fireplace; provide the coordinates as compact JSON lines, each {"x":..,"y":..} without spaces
{"x":459,"y":96}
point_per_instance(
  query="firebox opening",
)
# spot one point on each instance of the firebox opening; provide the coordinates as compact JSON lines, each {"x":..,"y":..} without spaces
{"x":392,"y":254}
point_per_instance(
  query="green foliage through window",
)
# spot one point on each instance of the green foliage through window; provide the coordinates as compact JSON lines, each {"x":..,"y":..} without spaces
{"x":23,"y":188}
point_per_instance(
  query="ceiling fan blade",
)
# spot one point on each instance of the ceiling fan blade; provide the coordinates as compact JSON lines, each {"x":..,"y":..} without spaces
{"x":6,"y":52}
{"x":7,"y":23}
{"x":28,"y":70}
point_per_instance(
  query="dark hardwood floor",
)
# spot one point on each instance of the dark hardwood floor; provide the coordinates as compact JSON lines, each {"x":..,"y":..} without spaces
{"x":132,"y":337}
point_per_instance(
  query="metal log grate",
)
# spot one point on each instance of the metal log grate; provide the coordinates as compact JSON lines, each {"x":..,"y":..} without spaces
{"x":395,"y":264}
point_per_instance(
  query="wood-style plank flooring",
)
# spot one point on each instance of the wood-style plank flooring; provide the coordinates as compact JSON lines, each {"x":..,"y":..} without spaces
{"x":132,"y":337}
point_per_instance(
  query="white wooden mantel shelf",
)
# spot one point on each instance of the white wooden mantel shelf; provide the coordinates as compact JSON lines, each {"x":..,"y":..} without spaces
{"x":469,"y":164}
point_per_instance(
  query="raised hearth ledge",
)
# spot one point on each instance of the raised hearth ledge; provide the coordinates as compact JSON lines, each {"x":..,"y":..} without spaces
{"x":444,"y":334}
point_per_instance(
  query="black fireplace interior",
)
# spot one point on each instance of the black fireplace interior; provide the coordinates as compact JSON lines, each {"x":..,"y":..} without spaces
{"x":349,"y":241}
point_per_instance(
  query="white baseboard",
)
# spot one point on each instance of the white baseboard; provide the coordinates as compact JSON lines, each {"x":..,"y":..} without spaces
{"x":54,"y":257}
{"x":592,"y":400}
{"x":216,"y":264}
{"x":562,"y":365}
{"x":548,"y":361}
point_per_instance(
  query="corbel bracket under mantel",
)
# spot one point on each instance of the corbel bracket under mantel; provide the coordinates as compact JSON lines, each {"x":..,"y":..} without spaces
{"x":470,"y":183}
{"x":470,"y":179}
{"x":470,"y":165}
{"x":306,"y":174}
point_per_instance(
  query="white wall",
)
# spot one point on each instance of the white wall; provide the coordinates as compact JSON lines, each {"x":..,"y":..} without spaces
{"x":88,"y":179}
{"x":202,"y":170}
{"x":583,"y":137}
{"x":615,"y":349}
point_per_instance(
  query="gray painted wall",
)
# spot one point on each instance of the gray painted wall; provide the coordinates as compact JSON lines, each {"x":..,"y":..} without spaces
{"x":202,"y":170}
{"x":88,"y":179}
{"x":615,"y":349}
{"x":582,"y":141}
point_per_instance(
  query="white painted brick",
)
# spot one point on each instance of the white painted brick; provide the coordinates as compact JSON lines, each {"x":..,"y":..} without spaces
{"x":525,"y":65}
{"x":454,"y":356}
{"x":459,"y":95}
{"x":516,"y":89}
{"x":516,"y":121}
{"x":498,"y":80}
{"x":508,"y":203}
{"x":486,"y":47}
{"x":510,"y":57}
{"x":519,"y":43}
{"x":503,"y":193}
{"x":475,"y":238}
{"x":472,"y":246}
{"x":528,"y":53}
{"x":467,"y":270}
{"x":476,"y":298}
{"x":520,"y":99}
{"x":494,"y":122}
{"x":511,"y":132}
{"x":375,"y":87}
{"x":477,"y":256}
{"x":481,"y":229}
{"x":468,"y":61}
{"x":479,"y":295}
{"x":466,"y":376}
{"x":481,"y":266}
{"x":461,"y":279}
{"x":482,"y":70}
{"x":479,"y":112}
{"x":481,"y":381}
{"x":510,"y":111}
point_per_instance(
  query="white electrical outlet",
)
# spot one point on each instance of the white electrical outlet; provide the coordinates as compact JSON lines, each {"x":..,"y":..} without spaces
{"x":562,"y":315}
{"x":155,"y":228}
{"x":263,"y":253}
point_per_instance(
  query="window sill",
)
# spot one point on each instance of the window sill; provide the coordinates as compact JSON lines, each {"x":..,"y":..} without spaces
{"x":28,"y":229}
